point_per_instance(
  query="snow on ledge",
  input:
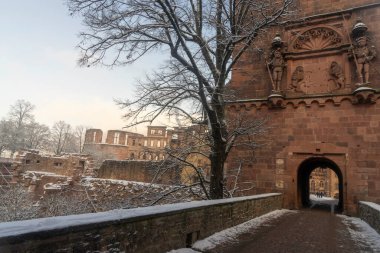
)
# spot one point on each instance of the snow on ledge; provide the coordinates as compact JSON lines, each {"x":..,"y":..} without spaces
{"x":16,"y":228}
{"x":371,"y":204}
{"x":229,"y":235}
{"x":362,"y":233}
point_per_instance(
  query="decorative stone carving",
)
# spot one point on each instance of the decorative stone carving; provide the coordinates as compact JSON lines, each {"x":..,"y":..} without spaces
{"x":316,"y":58}
{"x":276,"y":101}
{"x":277,"y":64}
{"x":364,"y":95}
{"x":336,"y":74}
{"x":316,"y":39}
{"x":297,"y":78}
{"x":362,"y":55}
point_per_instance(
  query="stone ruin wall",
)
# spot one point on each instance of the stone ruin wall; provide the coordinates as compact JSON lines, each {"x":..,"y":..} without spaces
{"x":139,"y":171}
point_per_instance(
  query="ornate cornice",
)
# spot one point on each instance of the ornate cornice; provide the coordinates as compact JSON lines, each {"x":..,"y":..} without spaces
{"x":306,"y":101}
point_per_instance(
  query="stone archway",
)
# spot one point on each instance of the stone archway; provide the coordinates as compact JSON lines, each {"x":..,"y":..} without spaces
{"x":303,"y":175}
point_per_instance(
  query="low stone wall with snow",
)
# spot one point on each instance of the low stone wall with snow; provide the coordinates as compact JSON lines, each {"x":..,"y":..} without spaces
{"x":148,"y":229}
{"x":370,"y":213}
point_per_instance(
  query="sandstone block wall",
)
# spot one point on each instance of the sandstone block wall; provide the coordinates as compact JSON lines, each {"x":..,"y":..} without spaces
{"x":67,"y":165}
{"x":370,"y":213}
{"x":140,"y":171}
{"x":151,"y":229}
{"x":320,"y":122}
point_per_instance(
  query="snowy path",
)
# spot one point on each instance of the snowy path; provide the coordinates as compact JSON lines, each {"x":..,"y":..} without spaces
{"x":289,"y":231}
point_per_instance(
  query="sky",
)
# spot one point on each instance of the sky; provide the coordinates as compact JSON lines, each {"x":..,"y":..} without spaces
{"x":38,"y":63}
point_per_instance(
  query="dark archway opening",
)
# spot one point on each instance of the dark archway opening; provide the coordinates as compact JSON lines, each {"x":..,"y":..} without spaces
{"x":306,"y":181}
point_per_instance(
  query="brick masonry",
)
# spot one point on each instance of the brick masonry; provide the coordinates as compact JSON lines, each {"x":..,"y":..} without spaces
{"x":319,"y":123}
{"x":140,"y":171}
{"x":150,"y":229}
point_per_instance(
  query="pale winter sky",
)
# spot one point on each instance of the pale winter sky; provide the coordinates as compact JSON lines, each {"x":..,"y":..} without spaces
{"x":38,"y":63}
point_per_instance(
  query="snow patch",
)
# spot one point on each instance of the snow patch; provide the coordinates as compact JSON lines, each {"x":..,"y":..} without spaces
{"x":123,"y":182}
{"x":184,"y":250}
{"x":362,"y":233}
{"x":31,"y":173}
{"x":230,"y":235}
{"x":372,"y":205}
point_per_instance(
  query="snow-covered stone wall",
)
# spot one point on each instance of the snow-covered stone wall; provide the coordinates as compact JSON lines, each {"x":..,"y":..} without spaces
{"x":370,"y":213}
{"x":148,"y":229}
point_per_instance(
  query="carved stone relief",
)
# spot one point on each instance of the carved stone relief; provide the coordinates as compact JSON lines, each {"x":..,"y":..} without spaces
{"x":317,"y":59}
{"x":336,"y":74}
{"x":297,"y":79}
{"x":317,"y":38}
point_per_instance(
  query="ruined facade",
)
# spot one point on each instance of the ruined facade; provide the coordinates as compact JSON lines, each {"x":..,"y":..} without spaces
{"x":123,"y":146}
{"x":320,"y":89}
{"x":48,"y":173}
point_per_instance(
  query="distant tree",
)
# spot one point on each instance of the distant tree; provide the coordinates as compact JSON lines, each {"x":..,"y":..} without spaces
{"x":5,"y":135}
{"x":60,"y":136}
{"x":20,"y":115}
{"x":205,"y":39}
{"x":79,"y":134}
{"x":37,"y":136}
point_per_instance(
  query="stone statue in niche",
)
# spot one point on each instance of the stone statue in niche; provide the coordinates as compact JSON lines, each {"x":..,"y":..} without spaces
{"x":276,"y":64}
{"x":336,"y":74}
{"x":361,"y":53}
{"x":297,"y":78}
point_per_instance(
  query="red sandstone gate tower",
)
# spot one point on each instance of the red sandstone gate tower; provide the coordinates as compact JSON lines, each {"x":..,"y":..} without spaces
{"x":317,"y":80}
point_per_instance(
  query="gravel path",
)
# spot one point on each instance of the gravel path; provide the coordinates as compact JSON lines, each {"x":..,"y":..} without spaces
{"x":304,"y":231}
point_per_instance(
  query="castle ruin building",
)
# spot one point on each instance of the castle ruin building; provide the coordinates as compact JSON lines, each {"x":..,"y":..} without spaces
{"x":127,"y":155}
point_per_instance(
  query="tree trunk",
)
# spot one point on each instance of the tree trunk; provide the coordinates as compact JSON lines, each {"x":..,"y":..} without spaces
{"x":217,"y":173}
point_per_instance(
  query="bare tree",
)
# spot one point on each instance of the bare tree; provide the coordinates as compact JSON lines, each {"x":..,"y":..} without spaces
{"x":20,"y":115}
{"x":16,"y":204}
{"x":205,"y":39}
{"x":36,"y":136}
{"x":79,"y":134}
{"x":5,"y":135}
{"x":60,"y":134}
{"x":64,"y":203}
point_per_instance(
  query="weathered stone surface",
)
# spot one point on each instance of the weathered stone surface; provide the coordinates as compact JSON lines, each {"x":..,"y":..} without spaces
{"x":158,"y":232}
{"x":370,"y":213}
{"x":322,"y":115}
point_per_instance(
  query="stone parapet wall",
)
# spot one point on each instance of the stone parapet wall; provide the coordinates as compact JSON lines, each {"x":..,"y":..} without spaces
{"x":370,"y":213}
{"x":149,"y":229}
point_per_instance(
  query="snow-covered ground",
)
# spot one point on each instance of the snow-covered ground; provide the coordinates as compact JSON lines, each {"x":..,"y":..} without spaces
{"x":365,"y":236}
{"x":362,"y":233}
{"x":315,"y":201}
{"x":231,"y":234}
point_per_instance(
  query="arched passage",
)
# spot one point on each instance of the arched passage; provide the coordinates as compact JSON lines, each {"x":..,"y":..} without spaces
{"x":304,"y":171}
